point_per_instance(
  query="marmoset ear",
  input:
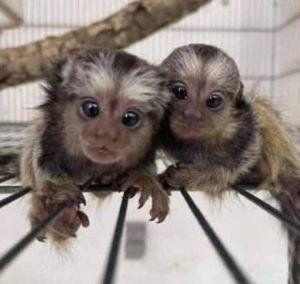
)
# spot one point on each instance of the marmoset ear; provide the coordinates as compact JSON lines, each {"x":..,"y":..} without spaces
{"x":239,"y":97}
{"x":54,"y":75}
{"x":53,"y":78}
{"x":59,"y":73}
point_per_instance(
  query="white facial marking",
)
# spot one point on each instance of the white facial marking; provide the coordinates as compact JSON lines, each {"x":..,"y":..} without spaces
{"x":217,"y":69}
{"x":91,"y":79}
{"x":100,"y":80}
{"x":189,"y":63}
{"x":100,"y":76}
{"x":139,"y":87}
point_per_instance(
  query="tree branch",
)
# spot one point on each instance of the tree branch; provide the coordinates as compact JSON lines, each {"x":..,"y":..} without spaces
{"x":131,"y":24}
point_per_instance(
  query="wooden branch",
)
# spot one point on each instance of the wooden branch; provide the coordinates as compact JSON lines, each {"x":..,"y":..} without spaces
{"x":131,"y":24}
{"x":15,"y":19}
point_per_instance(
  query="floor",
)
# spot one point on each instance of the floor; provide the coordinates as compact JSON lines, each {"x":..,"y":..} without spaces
{"x":176,"y":251}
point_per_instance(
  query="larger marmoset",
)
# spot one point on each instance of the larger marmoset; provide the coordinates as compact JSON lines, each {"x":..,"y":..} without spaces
{"x":219,"y":135}
{"x":99,"y":122}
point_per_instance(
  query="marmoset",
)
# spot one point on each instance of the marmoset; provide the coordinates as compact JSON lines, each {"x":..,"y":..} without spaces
{"x":99,"y":122}
{"x":220,"y":135}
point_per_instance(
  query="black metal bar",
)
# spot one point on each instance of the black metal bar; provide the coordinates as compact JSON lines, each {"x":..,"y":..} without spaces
{"x":19,"y":192}
{"x":96,"y":187}
{"x":7,"y":258}
{"x":115,"y":245}
{"x":6,"y":178}
{"x":6,"y":189}
{"x":14,"y":197}
{"x":268,"y":208}
{"x":227,"y":259}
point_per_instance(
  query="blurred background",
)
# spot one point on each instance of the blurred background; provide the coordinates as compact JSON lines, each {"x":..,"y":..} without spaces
{"x":263,"y":36}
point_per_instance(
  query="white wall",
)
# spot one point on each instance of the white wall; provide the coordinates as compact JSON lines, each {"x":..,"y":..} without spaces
{"x":287,"y":64}
{"x":243,"y":29}
{"x":177,"y":250}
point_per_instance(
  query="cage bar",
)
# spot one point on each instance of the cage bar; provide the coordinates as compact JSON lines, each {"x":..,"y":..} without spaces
{"x":227,"y":259}
{"x":7,"y":258}
{"x":110,"y":269}
{"x":243,"y":189}
{"x":9,"y":189}
{"x":269,"y":209}
{"x":14,"y":196}
{"x":6,"y":178}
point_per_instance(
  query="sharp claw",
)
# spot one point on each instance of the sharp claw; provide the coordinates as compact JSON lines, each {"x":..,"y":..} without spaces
{"x":143,"y":198}
{"x":82,"y":200}
{"x":161,"y":219}
{"x":161,"y":216}
{"x":41,"y":239}
{"x":153,"y":216}
{"x":141,"y":203}
{"x":84,"y":220}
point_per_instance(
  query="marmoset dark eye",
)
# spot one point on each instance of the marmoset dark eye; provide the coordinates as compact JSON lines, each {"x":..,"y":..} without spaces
{"x":214,"y":100}
{"x":179,"y":91}
{"x":90,"y":108}
{"x":131,"y":118}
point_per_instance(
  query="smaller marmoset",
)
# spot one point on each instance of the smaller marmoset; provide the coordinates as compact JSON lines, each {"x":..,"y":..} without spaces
{"x":99,"y":121}
{"x":220,"y":135}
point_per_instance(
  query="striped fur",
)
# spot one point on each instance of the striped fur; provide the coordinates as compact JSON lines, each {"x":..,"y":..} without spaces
{"x":258,"y":148}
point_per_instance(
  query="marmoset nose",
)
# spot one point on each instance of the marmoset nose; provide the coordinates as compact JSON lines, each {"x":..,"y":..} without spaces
{"x":109,"y":136}
{"x":192,"y":114}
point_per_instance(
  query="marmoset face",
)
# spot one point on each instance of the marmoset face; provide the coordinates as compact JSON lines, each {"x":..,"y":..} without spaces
{"x":205,"y":81}
{"x":111,"y":105}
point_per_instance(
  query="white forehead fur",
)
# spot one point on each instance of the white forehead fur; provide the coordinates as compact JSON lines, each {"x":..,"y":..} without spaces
{"x":189,"y":63}
{"x":215,"y":69}
{"x":88,"y":78}
{"x":140,"y":87}
{"x":99,"y":77}
{"x":218,"y":68}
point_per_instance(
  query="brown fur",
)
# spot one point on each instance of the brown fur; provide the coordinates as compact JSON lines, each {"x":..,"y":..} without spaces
{"x":245,"y":141}
{"x":67,"y":147}
{"x":214,"y":146}
{"x":278,"y":149}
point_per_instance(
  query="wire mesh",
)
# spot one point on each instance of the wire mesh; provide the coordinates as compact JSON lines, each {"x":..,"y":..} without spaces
{"x":256,"y":33}
{"x":259,"y":34}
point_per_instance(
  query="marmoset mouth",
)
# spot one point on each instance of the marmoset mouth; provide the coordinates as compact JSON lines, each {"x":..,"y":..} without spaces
{"x":185,"y":126}
{"x":101,"y":155}
{"x":103,"y":149}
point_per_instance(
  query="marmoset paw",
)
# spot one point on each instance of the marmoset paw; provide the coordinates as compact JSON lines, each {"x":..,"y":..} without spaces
{"x":177,"y":176}
{"x":149,"y":187}
{"x":67,"y":223}
{"x":68,"y":197}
